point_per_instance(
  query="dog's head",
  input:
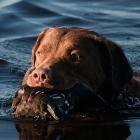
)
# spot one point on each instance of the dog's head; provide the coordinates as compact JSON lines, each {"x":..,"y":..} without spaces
{"x":62,"y":57}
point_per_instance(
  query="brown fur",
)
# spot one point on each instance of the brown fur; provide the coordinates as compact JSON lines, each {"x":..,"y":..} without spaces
{"x":66,"y":56}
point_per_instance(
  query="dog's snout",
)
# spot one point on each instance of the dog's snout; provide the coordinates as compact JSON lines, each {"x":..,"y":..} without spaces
{"x":39,"y":75}
{"x":40,"y":78}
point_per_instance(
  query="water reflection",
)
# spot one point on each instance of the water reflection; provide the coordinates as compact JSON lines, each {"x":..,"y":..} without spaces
{"x":73,"y":131}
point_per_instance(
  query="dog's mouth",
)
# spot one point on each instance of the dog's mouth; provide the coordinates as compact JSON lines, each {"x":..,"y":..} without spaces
{"x":76,"y":93}
{"x":75,"y":88}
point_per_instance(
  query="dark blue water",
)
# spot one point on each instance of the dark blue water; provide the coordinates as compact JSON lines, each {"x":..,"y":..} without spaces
{"x":22,"y":20}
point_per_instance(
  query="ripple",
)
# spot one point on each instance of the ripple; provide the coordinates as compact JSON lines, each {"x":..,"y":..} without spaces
{"x":4,"y":3}
{"x":3,"y":61}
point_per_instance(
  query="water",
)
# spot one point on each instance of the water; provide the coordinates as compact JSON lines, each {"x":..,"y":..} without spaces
{"x":22,"y":20}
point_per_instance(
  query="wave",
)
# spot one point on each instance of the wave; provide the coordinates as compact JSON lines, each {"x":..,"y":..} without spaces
{"x":4,"y":3}
{"x":3,"y":61}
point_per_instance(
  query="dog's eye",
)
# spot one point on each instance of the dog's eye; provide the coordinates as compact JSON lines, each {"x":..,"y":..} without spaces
{"x":38,"y":52}
{"x":74,"y":57}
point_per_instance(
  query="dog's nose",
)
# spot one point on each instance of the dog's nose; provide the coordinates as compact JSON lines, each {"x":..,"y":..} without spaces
{"x":40,"y":75}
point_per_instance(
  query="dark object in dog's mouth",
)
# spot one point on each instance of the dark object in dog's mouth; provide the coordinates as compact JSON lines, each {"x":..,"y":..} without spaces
{"x":43,"y":103}
{"x":51,"y":104}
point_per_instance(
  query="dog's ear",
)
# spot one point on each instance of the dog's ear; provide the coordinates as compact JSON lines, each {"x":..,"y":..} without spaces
{"x":34,"y":49}
{"x":114,"y":62}
{"x":119,"y":70}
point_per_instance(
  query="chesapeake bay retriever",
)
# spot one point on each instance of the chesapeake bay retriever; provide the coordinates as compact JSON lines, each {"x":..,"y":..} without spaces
{"x":63,"y":57}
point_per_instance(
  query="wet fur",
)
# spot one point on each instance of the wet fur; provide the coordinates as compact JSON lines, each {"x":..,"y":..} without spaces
{"x":115,"y":72}
{"x":106,"y":75}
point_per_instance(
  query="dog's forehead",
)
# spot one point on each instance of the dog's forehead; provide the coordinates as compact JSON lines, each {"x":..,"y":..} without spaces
{"x":62,"y":38}
{"x":52,"y":38}
{"x":75,"y":39}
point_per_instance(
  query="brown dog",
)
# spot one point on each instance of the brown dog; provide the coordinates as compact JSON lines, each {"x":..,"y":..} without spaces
{"x":63,"y":57}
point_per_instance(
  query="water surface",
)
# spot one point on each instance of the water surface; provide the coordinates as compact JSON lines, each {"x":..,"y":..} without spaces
{"x":22,"y":20}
